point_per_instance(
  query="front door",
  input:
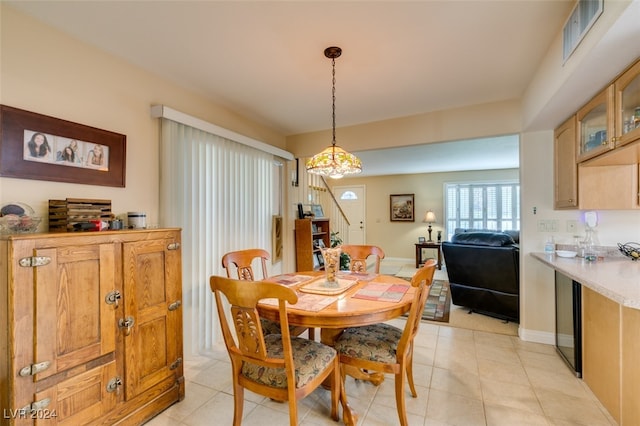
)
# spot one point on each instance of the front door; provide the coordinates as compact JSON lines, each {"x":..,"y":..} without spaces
{"x":352,"y":202}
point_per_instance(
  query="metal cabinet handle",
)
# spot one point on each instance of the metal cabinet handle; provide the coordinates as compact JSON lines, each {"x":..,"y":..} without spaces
{"x":127,"y":324}
{"x":113,"y":298}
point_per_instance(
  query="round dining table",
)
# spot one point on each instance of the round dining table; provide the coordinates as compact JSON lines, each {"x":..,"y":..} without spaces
{"x":364,"y":302}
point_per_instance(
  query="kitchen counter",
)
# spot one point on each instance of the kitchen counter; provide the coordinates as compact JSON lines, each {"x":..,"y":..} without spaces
{"x":617,"y":278}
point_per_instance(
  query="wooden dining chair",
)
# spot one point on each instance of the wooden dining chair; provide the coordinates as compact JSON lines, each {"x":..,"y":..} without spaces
{"x":384,"y":348}
{"x":242,"y":261}
{"x":359,"y":254}
{"x":277,"y":366}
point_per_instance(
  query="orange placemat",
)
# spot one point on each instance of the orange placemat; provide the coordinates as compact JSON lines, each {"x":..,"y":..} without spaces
{"x":289,"y":279}
{"x":306,"y":302}
{"x":317,"y":286}
{"x":360,"y":276}
{"x":382,"y":292}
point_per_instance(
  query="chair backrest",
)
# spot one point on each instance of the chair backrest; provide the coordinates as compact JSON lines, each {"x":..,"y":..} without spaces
{"x":359,"y":254}
{"x":242,"y":259}
{"x":248,"y":345}
{"x":422,"y":281}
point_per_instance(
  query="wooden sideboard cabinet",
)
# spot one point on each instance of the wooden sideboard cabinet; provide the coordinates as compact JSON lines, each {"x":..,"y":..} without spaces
{"x":90,"y":326}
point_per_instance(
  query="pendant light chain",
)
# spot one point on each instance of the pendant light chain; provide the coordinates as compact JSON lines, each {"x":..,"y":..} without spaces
{"x":333,"y":94}
{"x":334,"y":161}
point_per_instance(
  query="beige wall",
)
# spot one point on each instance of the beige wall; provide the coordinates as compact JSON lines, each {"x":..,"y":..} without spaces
{"x":398,"y":238}
{"x":498,"y":118}
{"x":45,"y":71}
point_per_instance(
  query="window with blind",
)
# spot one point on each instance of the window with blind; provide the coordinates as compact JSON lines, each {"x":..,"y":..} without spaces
{"x":482,"y":206}
{"x":223,"y":194}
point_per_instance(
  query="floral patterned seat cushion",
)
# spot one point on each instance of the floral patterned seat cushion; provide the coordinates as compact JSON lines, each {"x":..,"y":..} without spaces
{"x":309,"y":357}
{"x":270,"y":327}
{"x":377,"y":342}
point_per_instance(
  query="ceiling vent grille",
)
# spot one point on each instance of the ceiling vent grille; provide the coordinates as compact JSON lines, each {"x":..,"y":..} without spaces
{"x":584,"y":15}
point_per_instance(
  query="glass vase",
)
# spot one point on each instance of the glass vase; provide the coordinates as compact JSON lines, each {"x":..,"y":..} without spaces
{"x":331,"y":258}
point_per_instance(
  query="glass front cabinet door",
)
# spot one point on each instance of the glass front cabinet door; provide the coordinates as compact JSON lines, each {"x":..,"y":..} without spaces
{"x":595,"y":125}
{"x":627,"y":98}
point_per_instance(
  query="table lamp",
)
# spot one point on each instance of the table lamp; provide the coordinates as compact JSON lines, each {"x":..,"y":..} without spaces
{"x":429,"y":217}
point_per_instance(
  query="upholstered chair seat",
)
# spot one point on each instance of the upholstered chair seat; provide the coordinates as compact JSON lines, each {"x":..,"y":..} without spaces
{"x":387,"y":349}
{"x":277,"y":366}
{"x":377,"y":342}
{"x":309,"y":357}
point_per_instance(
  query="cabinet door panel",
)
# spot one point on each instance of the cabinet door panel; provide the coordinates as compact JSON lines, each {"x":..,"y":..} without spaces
{"x":565,"y":168}
{"x":150,"y":287}
{"x":74,"y":324}
{"x":601,"y":349}
{"x":78,"y":400}
{"x":596,"y":125}
{"x":627,"y":92}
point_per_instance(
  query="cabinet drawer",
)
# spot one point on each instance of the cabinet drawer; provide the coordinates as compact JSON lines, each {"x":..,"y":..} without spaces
{"x":78,"y":400}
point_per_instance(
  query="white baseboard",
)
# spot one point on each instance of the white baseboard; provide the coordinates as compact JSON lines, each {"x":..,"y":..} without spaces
{"x":400,"y":259}
{"x":537,"y":336}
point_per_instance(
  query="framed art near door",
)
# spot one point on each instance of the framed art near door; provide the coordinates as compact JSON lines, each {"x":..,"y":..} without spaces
{"x":35,"y":146}
{"x":402,"y":208}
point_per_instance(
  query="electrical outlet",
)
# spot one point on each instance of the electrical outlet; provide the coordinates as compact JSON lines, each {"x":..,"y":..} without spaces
{"x":542,"y":226}
{"x":572,"y":226}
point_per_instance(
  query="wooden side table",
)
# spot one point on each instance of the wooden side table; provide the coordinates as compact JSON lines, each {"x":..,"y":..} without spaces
{"x":428,"y":245}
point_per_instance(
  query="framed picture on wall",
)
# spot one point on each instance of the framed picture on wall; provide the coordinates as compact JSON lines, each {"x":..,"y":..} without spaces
{"x":402,"y":208}
{"x":35,"y":146}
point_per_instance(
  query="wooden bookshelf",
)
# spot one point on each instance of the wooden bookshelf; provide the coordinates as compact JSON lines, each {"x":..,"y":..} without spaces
{"x":311,"y":234}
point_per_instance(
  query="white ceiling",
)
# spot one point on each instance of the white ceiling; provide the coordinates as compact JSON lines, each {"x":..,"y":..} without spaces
{"x":264,"y":59}
{"x":500,"y":152}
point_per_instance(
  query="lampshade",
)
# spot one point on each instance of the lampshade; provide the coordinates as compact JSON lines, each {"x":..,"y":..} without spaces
{"x":429,"y":217}
{"x":334,"y":162}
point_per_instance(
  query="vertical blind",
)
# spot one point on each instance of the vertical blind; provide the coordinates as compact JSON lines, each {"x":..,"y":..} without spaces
{"x":223,"y":196}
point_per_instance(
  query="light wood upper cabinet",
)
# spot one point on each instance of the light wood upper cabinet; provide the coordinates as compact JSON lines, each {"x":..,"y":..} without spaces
{"x":608,"y":187}
{"x":596,"y":125}
{"x":627,"y":104}
{"x":607,"y":150}
{"x":565,"y":167}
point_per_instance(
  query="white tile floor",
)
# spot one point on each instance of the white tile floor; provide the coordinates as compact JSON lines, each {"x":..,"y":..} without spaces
{"x":463,"y":377}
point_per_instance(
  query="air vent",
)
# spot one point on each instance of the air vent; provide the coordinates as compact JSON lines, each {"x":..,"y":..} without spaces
{"x":584,"y":15}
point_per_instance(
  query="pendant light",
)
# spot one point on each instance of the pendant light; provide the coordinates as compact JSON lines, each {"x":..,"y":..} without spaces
{"x":334,"y":161}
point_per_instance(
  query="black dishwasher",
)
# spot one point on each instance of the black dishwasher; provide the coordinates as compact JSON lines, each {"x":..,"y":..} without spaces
{"x":569,"y":321}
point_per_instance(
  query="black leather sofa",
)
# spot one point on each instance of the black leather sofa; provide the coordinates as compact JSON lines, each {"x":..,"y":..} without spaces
{"x":484,"y":272}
